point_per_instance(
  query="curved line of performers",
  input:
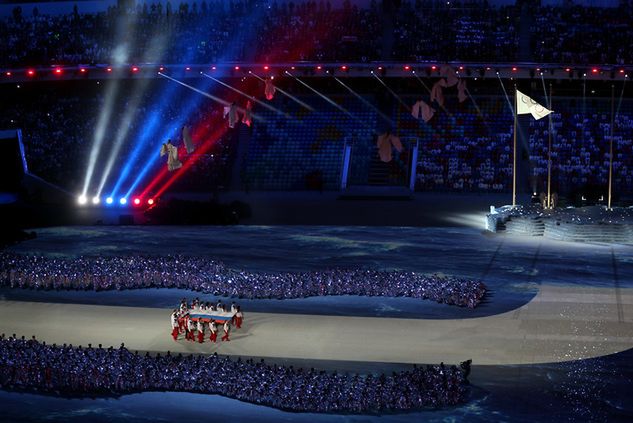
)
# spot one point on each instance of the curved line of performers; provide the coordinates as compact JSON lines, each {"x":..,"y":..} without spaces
{"x":183,"y":320}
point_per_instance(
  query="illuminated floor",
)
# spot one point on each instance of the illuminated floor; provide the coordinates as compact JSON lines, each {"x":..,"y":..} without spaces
{"x":559,"y":324}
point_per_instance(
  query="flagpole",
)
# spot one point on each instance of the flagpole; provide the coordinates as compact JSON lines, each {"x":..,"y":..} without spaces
{"x":514,"y":166}
{"x":611,"y":149}
{"x":549,"y":153}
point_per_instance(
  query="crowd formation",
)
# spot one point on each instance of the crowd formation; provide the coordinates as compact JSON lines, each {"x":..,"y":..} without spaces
{"x":209,"y":276}
{"x":246,"y":30}
{"x":68,"y":370}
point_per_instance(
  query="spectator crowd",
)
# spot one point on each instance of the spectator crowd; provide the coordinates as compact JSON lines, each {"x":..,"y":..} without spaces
{"x":467,"y":149}
{"x":580,"y":148}
{"x":209,"y":276}
{"x":574,"y":35}
{"x":249,"y":30}
{"x":31,"y":365}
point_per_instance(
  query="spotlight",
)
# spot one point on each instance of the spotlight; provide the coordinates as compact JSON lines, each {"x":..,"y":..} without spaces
{"x":150,"y":201}
{"x":30,"y":72}
{"x":137,"y":201}
{"x":109,"y":200}
{"x":95,"y":200}
{"x":82,"y":200}
{"x":123,"y":201}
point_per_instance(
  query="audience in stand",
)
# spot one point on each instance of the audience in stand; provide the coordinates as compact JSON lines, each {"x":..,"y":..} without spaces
{"x":203,"y":32}
{"x":465,"y":149}
{"x":426,"y":30}
{"x":471,"y":150}
{"x":572,"y":35}
{"x":307,"y":31}
{"x":208,"y":276}
{"x":248,"y":30}
{"x":580,"y":149}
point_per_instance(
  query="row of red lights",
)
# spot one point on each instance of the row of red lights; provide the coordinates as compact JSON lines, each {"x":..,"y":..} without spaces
{"x":59,"y":71}
{"x":137,"y":201}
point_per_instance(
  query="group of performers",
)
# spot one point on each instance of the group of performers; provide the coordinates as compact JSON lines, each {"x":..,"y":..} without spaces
{"x":192,"y":319}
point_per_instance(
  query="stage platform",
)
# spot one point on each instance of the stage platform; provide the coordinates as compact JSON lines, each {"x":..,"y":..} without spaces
{"x":594,"y":224}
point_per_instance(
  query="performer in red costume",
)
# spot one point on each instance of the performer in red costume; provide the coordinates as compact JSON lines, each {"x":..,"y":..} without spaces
{"x":200,"y":331}
{"x":175,"y":326}
{"x":227,"y":329}
{"x":214,"y":331}
{"x":191,"y":327}
{"x":239,"y":317}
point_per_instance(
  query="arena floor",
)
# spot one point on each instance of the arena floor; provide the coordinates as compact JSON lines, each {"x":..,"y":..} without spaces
{"x":559,"y":324}
{"x":549,"y":302}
